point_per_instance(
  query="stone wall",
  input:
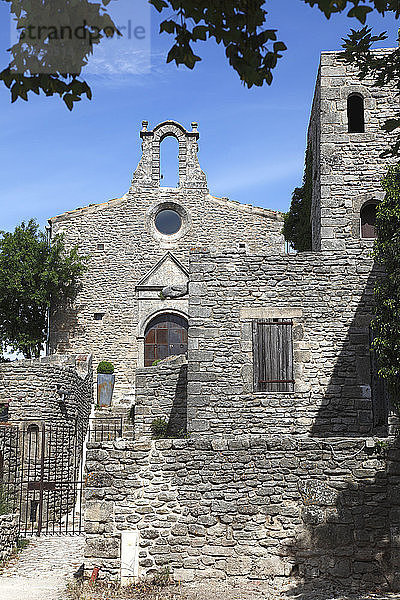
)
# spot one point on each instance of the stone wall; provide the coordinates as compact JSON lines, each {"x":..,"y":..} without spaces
{"x":50,"y":401}
{"x":161,"y":391}
{"x":132,"y":247}
{"x":328,"y":298}
{"x":348,"y":167}
{"x":8,"y":535}
{"x":251,"y":507}
{"x":30,"y":388}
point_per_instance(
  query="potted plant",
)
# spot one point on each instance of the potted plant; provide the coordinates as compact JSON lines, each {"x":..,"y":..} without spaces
{"x":105,"y":383}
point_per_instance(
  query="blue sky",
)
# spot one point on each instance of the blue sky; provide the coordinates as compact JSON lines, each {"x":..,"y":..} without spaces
{"x":251,"y":141}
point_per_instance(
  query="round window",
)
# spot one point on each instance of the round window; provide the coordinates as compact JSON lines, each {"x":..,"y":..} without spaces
{"x":168,"y":222}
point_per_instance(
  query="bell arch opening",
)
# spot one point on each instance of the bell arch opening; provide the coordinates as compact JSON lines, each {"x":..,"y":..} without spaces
{"x":165,"y":335}
{"x":169,"y":162}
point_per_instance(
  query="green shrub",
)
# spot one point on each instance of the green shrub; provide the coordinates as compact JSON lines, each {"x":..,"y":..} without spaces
{"x":159,"y":428}
{"x":386,"y":322}
{"x":105,"y":368}
{"x":155,"y":363}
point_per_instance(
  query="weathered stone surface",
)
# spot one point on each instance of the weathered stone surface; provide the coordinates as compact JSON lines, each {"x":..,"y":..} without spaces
{"x":8,"y":535}
{"x":174,"y":291}
{"x":249,"y":509}
{"x":29,"y":387}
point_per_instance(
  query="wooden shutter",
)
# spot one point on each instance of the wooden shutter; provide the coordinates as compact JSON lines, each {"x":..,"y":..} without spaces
{"x":273,"y":355}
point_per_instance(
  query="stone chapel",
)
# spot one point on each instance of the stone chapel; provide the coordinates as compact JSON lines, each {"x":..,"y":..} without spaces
{"x":139,"y":246}
{"x":259,"y":360}
{"x":138,"y":296}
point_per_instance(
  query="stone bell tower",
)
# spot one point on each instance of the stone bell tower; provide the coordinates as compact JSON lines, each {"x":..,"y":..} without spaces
{"x":346,"y":141}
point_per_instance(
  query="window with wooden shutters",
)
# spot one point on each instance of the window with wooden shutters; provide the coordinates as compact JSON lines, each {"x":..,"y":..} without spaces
{"x":273,"y":355}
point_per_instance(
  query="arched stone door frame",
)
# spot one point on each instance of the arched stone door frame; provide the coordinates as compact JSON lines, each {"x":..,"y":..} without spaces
{"x":144,"y":325}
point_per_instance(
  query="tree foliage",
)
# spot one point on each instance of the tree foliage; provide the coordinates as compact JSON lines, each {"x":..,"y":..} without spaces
{"x":386,"y":323}
{"x":251,"y":45}
{"x":33,"y":275}
{"x":56,"y":39}
{"x":297,"y":223}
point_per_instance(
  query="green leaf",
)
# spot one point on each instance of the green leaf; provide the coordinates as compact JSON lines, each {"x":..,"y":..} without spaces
{"x":159,"y":4}
{"x":360,"y":12}
{"x":69,"y":100}
{"x":279,"y":47}
{"x":167,"y":26}
{"x":200,"y":32}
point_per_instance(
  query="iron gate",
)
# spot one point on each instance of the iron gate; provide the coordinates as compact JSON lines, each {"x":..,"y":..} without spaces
{"x":42,"y":473}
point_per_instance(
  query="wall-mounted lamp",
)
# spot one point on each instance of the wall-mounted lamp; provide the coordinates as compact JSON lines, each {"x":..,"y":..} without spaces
{"x":62,"y":392}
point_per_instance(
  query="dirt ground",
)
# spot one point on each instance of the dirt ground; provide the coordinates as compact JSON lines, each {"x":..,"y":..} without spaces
{"x":221,"y":591}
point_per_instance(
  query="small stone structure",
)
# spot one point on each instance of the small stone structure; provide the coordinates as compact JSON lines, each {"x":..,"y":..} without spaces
{"x":42,"y":432}
{"x":54,"y":389}
{"x":8,"y":535}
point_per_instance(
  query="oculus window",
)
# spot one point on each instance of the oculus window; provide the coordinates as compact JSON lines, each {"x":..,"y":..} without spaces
{"x":168,"y":222}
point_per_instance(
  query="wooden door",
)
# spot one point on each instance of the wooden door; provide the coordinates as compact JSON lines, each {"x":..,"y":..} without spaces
{"x":166,"y":335}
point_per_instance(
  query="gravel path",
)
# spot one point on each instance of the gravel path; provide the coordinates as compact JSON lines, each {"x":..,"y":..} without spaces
{"x":42,"y":570}
{"x":250,"y":590}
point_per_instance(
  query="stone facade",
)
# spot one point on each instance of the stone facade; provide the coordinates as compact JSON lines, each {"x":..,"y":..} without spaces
{"x":269,"y":483}
{"x":8,"y":535}
{"x":329,"y":300}
{"x":135,"y":262}
{"x":244,"y":507}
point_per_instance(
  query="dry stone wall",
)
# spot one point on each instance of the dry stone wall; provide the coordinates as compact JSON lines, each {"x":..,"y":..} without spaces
{"x":251,"y":507}
{"x":161,"y":392}
{"x":328,"y":298}
{"x":8,"y":535}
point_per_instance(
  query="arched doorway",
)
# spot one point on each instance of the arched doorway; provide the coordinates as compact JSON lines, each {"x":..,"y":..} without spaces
{"x":165,"y":335}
